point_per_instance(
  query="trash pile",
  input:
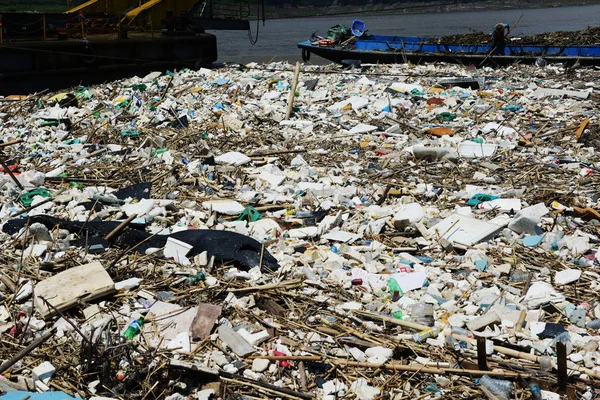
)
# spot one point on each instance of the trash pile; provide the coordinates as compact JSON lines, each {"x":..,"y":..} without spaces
{"x":394,"y":232}
{"x":589,"y":36}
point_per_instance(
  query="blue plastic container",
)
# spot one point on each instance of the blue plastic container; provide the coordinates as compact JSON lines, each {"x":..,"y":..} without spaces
{"x":358,"y":27}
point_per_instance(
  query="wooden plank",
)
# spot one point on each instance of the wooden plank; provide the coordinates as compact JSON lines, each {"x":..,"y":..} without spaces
{"x":235,"y":341}
{"x":581,"y":128}
{"x":481,"y":354}
{"x":441,"y":131}
{"x":65,"y":289}
{"x":561,"y":364}
{"x":204,"y":321}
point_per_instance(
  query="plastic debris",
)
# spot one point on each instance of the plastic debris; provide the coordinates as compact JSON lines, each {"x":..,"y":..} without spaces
{"x":180,"y":235}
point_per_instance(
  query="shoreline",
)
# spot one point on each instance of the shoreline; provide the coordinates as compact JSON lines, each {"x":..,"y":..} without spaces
{"x":438,"y":8}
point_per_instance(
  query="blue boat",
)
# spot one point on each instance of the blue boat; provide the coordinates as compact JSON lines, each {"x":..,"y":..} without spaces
{"x":399,"y":49}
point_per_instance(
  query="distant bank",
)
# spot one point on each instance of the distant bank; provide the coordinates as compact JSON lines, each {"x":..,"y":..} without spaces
{"x":299,"y":9}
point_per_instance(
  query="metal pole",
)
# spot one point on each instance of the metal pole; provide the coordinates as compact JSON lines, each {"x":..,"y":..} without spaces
{"x":44,"y":18}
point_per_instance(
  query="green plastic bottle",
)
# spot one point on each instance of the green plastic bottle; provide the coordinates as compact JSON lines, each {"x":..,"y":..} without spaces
{"x":395,"y":289}
{"x":134,"y":328}
{"x":192,"y":280}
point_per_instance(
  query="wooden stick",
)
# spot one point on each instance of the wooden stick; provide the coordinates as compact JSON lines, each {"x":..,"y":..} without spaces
{"x":400,"y":367}
{"x":289,"y":358}
{"x":10,"y":285}
{"x":293,"y":91}
{"x":302,"y":373}
{"x":274,"y":390}
{"x":32,"y":346}
{"x":2,"y":145}
{"x":119,"y":228}
{"x":561,"y":364}
{"x":13,"y":177}
{"x":293,"y":282}
{"x":262,"y":254}
{"x":481,"y":354}
{"x":520,"y":321}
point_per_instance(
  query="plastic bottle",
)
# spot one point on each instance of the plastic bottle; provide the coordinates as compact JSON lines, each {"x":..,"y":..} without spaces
{"x":192,"y":280}
{"x":397,"y":315}
{"x":451,"y":342}
{"x":536,"y":393}
{"x":584,"y":262}
{"x":422,"y":314}
{"x":425,"y":334}
{"x":593,"y":324}
{"x":462,"y":331}
{"x":499,"y":387}
{"x":134,"y":328}
{"x":545,"y":363}
{"x":395,"y":289}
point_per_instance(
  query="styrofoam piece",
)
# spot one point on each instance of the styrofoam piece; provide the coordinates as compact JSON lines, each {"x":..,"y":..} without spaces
{"x":177,"y":250}
{"x":362,"y":128}
{"x":318,"y":189}
{"x":180,"y":344}
{"x":567,"y":276}
{"x":379,"y":354}
{"x":526,"y":220}
{"x":500,"y":129}
{"x":465,"y":230}
{"x":434,"y":153}
{"x":254,"y":338}
{"x":414,"y":212}
{"x":302,"y":233}
{"x":233,"y":158}
{"x":481,"y":322}
{"x":272,"y":179}
{"x":540,"y":293}
{"x":260,"y":364}
{"x":470,"y":149}
{"x":43,"y":372}
{"x":341,"y":236}
{"x":363,"y":390}
{"x":502,"y":205}
{"x":227,"y":207}
{"x":140,"y":208}
{"x":358,"y":354}
{"x":540,"y":93}
{"x":127,"y":284}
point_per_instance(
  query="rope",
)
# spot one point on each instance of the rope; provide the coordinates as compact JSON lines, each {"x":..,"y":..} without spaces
{"x":254,"y":40}
{"x":21,"y":23}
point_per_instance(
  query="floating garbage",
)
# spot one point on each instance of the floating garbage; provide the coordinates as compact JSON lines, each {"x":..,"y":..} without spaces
{"x":388,"y":231}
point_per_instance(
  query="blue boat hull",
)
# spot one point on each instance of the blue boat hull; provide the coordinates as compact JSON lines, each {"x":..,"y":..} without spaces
{"x":396,"y":49}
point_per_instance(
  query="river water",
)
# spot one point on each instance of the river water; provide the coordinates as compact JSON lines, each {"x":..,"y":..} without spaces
{"x":278,"y":38}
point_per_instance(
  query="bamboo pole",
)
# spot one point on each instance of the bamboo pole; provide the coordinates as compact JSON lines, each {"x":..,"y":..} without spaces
{"x":399,"y":367}
{"x":36,"y":343}
{"x":120,"y":227}
{"x":293,"y":91}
